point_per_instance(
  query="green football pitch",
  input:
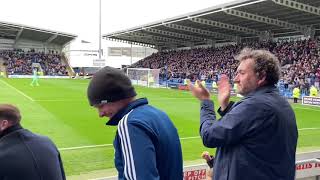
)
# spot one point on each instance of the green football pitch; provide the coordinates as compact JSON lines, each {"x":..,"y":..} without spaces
{"x":59,"y":109}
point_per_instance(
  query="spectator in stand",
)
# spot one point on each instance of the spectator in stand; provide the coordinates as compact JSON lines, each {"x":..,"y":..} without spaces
{"x":301,"y":59}
{"x":20,"y":62}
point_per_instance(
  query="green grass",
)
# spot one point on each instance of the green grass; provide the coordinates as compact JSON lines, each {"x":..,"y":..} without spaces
{"x":58,"y":108}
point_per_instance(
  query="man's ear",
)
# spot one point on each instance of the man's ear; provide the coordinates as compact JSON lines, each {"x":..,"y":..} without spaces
{"x":4,"y":124}
{"x":262,"y":79}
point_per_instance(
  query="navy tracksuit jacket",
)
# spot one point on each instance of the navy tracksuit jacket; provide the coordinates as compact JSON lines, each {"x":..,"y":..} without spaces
{"x":147,"y":145}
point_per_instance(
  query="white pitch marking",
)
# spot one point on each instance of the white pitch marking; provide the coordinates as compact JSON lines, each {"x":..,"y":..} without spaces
{"x":184,"y":138}
{"x":20,"y":92}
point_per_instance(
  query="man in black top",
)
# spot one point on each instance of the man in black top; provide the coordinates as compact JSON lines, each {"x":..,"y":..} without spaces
{"x":23,"y":154}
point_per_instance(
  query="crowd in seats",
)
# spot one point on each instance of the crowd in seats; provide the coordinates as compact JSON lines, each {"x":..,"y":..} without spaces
{"x":300,"y":62}
{"x":19,"y":62}
{"x":302,"y":67}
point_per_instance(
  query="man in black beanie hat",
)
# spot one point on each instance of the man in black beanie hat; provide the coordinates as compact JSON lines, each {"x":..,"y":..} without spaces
{"x":147,"y":144}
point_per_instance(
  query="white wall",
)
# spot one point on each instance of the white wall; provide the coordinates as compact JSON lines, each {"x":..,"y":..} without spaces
{"x":81,"y":54}
{"x":117,"y":62}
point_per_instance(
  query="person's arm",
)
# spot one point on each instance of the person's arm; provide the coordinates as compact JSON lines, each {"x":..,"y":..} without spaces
{"x":224,"y":92}
{"x":231,"y":127}
{"x":226,"y":110}
{"x":138,"y":152}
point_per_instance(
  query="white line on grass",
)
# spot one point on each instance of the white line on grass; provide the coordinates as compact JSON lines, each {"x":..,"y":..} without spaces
{"x":313,"y":109}
{"x":304,"y":129}
{"x":151,"y":99}
{"x":20,"y":92}
{"x":84,"y":147}
{"x":193,"y":137}
{"x":184,"y":138}
{"x":106,"y":145}
{"x":170,"y":98}
{"x":60,"y":100}
{"x":104,"y":178}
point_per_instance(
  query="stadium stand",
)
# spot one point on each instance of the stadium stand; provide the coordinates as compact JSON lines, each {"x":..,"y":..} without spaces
{"x":20,"y":62}
{"x":24,"y":47}
{"x":299,"y":59}
{"x":287,"y":28}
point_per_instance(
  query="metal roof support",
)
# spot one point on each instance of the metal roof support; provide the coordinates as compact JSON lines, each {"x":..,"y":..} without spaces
{"x":225,"y":26}
{"x":171,"y":41}
{"x":160,"y":38}
{"x":19,"y":34}
{"x":7,"y":34}
{"x":265,"y":20}
{"x":152,"y":40}
{"x":138,"y":34}
{"x":173,"y":34}
{"x":136,"y":41}
{"x":45,"y":44}
{"x":202,"y":32}
{"x":51,"y":38}
{"x":299,"y":6}
{"x":17,"y":37}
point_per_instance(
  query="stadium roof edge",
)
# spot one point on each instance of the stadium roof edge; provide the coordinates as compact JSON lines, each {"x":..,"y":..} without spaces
{"x":233,"y":22}
{"x":209,"y":10}
{"x":37,"y":29}
{"x":15,"y":34}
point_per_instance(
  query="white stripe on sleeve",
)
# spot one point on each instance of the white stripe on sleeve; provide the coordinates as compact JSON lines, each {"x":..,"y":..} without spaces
{"x":129,"y":167}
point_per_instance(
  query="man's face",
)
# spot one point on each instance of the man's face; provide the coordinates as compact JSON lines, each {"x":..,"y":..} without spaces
{"x":108,"y":109}
{"x":246,"y":79}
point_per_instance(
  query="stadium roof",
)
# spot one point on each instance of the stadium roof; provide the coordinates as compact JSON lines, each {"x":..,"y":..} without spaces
{"x":231,"y":22}
{"x":18,"y":31}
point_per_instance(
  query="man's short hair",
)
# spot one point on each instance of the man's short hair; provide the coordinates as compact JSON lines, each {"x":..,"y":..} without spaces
{"x":10,"y":113}
{"x":266,"y":64}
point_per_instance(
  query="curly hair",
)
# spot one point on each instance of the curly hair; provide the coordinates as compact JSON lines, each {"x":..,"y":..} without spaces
{"x":265,"y":64}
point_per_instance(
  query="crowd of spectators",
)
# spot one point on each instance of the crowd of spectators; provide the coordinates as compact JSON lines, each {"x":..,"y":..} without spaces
{"x":19,"y":62}
{"x":300,"y":62}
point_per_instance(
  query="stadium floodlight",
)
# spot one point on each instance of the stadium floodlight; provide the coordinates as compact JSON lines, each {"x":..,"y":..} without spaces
{"x":144,"y":76}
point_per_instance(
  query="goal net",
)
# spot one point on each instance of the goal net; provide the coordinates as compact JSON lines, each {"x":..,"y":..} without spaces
{"x":144,"y":76}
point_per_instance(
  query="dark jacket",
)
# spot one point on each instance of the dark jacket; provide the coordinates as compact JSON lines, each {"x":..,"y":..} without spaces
{"x":256,"y":138}
{"x":147,"y":145}
{"x":28,"y":156}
